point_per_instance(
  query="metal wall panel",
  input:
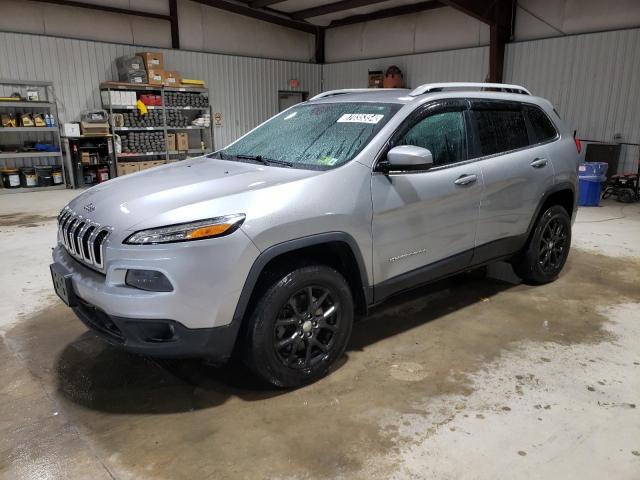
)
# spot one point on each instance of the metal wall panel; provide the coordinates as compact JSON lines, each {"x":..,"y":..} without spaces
{"x":243,"y":89}
{"x":468,"y":64}
{"x":592,"y":80}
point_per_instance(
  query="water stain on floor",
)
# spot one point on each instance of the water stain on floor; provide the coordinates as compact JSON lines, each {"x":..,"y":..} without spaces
{"x":182,"y":419}
{"x":25,"y":220}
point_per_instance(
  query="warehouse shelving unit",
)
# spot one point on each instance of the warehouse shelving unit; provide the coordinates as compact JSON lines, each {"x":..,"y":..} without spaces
{"x":30,"y":158}
{"x":203,"y":135}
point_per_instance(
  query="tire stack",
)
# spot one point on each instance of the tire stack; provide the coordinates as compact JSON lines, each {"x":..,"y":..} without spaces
{"x":143,"y":142}
{"x":175,"y":118}
{"x":133,"y":119}
{"x":185,"y":99}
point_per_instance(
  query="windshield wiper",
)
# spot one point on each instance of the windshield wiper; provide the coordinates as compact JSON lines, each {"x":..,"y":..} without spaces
{"x":264,"y":161}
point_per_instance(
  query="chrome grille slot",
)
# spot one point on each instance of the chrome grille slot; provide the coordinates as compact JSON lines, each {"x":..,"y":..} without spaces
{"x":83,"y":239}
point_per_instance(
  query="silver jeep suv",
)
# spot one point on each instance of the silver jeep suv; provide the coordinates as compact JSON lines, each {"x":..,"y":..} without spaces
{"x":270,"y":246}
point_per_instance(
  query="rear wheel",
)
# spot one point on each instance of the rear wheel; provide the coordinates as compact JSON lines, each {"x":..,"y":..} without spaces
{"x":548,"y":248}
{"x":300,"y":326}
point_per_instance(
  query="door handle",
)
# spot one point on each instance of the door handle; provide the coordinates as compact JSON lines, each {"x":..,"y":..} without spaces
{"x":466,"y":179}
{"x":539,"y":162}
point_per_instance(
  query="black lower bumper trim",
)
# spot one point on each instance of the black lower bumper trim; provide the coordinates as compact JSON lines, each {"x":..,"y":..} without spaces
{"x":159,"y":337}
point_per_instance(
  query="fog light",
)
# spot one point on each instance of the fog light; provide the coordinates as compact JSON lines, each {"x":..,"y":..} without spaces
{"x":149,"y":280}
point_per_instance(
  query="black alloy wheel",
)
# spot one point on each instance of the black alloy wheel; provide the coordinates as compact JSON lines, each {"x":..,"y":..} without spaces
{"x":547,"y":249}
{"x":305,"y":326}
{"x":552,"y":246}
{"x":299,"y":325}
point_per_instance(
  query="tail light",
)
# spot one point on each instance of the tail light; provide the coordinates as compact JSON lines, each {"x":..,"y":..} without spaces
{"x":577,"y":140}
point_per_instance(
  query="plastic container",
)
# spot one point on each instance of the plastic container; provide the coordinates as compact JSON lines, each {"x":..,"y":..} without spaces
{"x":589,"y":169}
{"x":56,"y":174}
{"x":590,"y":189}
{"x":103,"y":174}
{"x":28,"y":178}
{"x":10,"y":177}
{"x":44,"y":175}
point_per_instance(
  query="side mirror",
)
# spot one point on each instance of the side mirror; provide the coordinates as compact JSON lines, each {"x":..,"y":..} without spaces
{"x":408,"y":157}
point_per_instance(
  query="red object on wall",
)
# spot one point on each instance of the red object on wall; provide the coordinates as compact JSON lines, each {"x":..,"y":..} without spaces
{"x":293,"y":83}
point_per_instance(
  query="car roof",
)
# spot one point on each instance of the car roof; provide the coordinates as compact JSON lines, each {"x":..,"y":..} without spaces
{"x":431,"y":91}
{"x":382,"y":95}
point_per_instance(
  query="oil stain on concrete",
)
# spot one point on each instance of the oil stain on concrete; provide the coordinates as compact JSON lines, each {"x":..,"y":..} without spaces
{"x":78,"y":406}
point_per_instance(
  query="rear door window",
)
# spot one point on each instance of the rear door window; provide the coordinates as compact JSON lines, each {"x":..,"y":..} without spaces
{"x":542,"y":127}
{"x":500,"y":128}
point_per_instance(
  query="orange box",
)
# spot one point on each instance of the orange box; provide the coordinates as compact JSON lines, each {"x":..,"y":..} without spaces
{"x":156,"y":77}
{"x":152,"y":60}
{"x":172,"y":78}
{"x":182,"y":140}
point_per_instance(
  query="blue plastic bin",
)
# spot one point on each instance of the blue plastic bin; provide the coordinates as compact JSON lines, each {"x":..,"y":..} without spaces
{"x":589,"y":190}
{"x":589,"y":169}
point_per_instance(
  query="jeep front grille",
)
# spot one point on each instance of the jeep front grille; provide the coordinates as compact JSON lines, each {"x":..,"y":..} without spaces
{"x":83,"y":239}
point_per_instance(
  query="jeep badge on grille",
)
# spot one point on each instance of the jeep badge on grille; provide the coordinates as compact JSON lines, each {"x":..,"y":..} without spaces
{"x":89,"y":207}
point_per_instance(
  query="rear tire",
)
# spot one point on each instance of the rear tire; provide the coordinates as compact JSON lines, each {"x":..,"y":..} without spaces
{"x":300,"y":326}
{"x":546,"y":252}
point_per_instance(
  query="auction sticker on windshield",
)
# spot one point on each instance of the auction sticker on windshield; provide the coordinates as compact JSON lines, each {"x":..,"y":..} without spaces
{"x":360,"y":118}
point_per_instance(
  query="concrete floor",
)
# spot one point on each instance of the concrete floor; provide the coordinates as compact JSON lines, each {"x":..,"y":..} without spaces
{"x":468,"y":378}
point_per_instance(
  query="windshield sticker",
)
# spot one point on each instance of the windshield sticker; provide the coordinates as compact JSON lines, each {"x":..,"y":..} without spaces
{"x":326,"y":160}
{"x":372,"y":118}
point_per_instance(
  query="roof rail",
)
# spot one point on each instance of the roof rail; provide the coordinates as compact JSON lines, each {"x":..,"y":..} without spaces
{"x":332,"y":93}
{"x":439,"y":87}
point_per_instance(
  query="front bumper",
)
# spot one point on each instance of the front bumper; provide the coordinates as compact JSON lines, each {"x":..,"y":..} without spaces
{"x":195,"y":319}
{"x":159,"y":337}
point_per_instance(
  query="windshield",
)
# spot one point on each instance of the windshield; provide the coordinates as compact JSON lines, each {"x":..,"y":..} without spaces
{"x":319,"y":136}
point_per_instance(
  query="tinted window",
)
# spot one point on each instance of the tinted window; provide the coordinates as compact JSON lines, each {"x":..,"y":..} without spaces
{"x":500,"y":130}
{"x":443,"y":134}
{"x":542,"y":127}
{"x":322,"y":136}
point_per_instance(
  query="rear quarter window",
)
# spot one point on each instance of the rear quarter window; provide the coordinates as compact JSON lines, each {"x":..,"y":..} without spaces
{"x":543,"y":128}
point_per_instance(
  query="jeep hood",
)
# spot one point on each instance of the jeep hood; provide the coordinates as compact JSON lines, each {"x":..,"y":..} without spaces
{"x":179,"y":192}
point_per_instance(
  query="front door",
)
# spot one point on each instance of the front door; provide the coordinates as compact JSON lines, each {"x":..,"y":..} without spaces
{"x":424,"y":223}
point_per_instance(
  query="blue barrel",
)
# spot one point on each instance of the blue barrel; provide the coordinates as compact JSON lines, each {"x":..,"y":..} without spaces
{"x":589,"y":190}
{"x":588,"y":169}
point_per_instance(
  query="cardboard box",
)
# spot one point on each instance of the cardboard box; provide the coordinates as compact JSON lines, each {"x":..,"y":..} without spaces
{"x":71,"y":130}
{"x":152,"y":60}
{"x":172,"y":79}
{"x":157,"y":77}
{"x":375,"y":79}
{"x":85,"y":158}
{"x":125,"y":168}
{"x":171,"y":142}
{"x":182,"y":141}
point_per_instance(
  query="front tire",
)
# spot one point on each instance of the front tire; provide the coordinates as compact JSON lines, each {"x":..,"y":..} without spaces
{"x":300,"y":326}
{"x":548,"y":248}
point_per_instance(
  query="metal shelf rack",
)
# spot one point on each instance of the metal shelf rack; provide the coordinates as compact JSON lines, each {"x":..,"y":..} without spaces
{"x":30,"y":158}
{"x":205,"y":133}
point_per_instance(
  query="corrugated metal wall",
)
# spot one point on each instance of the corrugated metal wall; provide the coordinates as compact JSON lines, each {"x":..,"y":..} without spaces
{"x":592,"y":80}
{"x":244,"y":89}
{"x":468,"y":64}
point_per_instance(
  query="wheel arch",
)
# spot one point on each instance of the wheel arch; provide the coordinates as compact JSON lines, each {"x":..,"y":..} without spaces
{"x":563,"y":194}
{"x":335,"y":249}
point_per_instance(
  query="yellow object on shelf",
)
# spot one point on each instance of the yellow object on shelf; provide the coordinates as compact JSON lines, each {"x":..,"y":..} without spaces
{"x":141,"y":107}
{"x":190,"y":81}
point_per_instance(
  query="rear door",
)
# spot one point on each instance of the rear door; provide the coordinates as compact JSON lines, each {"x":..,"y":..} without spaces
{"x":516,"y":168}
{"x":424,"y":217}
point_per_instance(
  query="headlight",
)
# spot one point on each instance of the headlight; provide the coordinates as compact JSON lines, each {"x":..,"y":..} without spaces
{"x":184,"y":232}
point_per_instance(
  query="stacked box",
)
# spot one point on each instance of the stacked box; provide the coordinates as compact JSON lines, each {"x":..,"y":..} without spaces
{"x":182,"y":141}
{"x":131,"y":69}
